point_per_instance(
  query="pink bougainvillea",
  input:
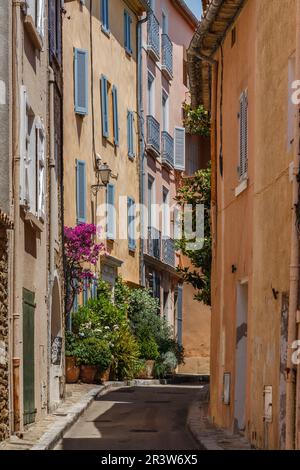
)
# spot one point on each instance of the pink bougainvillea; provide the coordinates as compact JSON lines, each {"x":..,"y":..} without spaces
{"x":81,"y":252}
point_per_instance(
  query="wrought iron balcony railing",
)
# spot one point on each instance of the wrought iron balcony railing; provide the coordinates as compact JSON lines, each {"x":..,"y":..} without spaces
{"x":154,"y":243}
{"x":168,"y":251}
{"x":153,"y":45}
{"x":167,"y":56}
{"x":167,"y":152}
{"x":153,"y":135}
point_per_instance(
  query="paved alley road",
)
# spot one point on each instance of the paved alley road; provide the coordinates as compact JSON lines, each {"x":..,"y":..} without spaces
{"x":146,"y":418}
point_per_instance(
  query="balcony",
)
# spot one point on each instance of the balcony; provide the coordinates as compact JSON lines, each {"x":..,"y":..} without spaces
{"x":154,"y":243}
{"x":167,"y":57}
{"x":168,"y":251}
{"x":153,"y":45}
{"x":167,"y":153}
{"x":153,"y":136}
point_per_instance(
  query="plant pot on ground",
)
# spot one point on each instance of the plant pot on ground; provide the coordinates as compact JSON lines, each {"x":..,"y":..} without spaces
{"x":72,"y":370}
{"x":149,"y":352}
{"x":93,"y":354}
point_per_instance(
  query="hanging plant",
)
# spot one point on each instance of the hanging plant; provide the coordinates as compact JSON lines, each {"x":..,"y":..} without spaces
{"x":196,"y":120}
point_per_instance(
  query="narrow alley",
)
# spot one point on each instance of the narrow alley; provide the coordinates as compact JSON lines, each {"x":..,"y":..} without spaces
{"x":136,"y":418}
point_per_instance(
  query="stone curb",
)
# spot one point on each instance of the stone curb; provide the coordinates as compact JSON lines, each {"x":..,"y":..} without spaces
{"x":196,"y":429}
{"x":56,"y":432}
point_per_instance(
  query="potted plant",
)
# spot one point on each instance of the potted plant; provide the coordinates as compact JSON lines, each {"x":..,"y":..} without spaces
{"x":72,"y":367}
{"x":149,"y":352}
{"x":92,"y":353}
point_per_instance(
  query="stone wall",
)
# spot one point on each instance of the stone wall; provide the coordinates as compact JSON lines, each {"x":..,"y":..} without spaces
{"x":4,"y":417}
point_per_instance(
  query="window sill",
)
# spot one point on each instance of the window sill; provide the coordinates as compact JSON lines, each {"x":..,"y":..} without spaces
{"x":241,"y":187}
{"x":33,"y":33}
{"x":36,"y":223}
{"x":131,"y":157}
{"x":128,"y":53}
{"x":105,"y":31}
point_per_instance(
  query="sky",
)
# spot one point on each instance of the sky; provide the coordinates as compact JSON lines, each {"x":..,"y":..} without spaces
{"x":195,"y":6}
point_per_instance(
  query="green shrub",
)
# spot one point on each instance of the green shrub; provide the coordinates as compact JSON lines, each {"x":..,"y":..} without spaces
{"x":166,"y":364}
{"x":71,"y":344}
{"x":126,"y":354}
{"x":94,"y":352}
{"x":148,"y":349}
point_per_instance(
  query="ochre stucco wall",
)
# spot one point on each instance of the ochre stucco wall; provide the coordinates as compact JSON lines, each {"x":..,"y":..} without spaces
{"x":253,"y":229}
{"x":111,"y":60}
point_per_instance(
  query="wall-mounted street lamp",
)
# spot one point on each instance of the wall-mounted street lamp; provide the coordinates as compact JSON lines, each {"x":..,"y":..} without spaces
{"x":104,"y":174}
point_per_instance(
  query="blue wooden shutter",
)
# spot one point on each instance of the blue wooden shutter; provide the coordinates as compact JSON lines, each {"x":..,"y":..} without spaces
{"x":81,"y":191}
{"x":111,"y":230}
{"x":104,"y":106}
{"x":127,"y":32}
{"x":179,"y":314}
{"x":105,"y":15}
{"x":81,"y":81}
{"x":130,"y":133}
{"x":131,"y":223}
{"x":116,"y":116}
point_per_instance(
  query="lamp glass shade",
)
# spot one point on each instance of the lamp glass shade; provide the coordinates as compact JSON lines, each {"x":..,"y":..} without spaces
{"x":105,"y":173}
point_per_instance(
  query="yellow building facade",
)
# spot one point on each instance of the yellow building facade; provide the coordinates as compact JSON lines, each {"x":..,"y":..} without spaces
{"x":101,"y":126}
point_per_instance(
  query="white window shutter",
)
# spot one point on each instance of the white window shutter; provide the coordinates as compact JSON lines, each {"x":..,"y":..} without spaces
{"x":41,"y":17}
{"x":31,"y":9}
{"x":41,"y":171}
{"x":179,"y":148}
{"x":31,"y":167}
{"x":23,"y":144}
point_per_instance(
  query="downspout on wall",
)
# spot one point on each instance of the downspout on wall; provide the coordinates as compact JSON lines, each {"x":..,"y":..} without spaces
{"x":291,"y":372}
{"x":142,"y":144}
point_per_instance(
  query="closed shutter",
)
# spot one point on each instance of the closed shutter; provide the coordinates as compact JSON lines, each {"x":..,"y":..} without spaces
{"x":104,"y":106}
{"x":28,"y":356}
{"x":52,"y":28}
{"x":32,"y":159}
{"x":23,"y":143}
{"x":81,"y":191}
{"x":105,"y":14}
{"x":127,"y":32}
{"x":131,"y":223}
{"x":243,"y":118}
{"x":58,"y":29}
{"x":111,"y":219}
{"x":41,"y":171}
{"x":41,"y":17}
{"x":116,"y":115}
{"x":179,"y":143}
{"x":130,"y":134}
{"x":81,"y":81}
{"x":179,"y":314}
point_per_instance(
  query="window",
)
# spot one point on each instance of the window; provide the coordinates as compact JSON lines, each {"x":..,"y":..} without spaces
{"x":243,"y":130}
{"x":179,"y":304}
{"x":151,"y":202}
{"x":32,"y":159}
{"x":127,"y":32}
{"x":104,"y":106}
{"x":116,"y":115}
{"x":165,"y":23}
{"x":165,"y":111}
{"x":105,"y":15}
{"x":165,"y":214}
{"x":179,"y":151}
{"x":81,"y":81}
{"x":233,"y":36}
{"x":131,"y":223}
{"x":55,"y":37}
{"x":130,"y":134}
{"x":291,"y":106}
{"x":36,"y":9}
{"x":151,"y":97}
{"x":110,"y":212}
{"x":81,"y":191}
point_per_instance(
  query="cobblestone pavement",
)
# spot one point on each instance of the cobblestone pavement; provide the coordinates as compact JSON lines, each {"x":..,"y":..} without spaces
{"x":74,"y":392}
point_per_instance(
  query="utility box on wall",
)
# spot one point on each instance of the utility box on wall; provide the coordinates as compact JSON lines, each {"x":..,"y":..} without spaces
{"x":226,"y":388}
{"x":268,"y":398}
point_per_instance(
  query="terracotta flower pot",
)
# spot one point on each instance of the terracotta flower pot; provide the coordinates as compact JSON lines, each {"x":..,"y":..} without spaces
{"x":88,"y":374}
{"x":147,"y":372}
{"x":104,"y":375}
{"x":72,"y":370}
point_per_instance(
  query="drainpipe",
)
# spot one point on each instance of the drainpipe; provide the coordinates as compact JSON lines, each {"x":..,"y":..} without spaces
{"x":142,"y":142}
{"x":16,"y":327}
{"x":291,"y":378}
